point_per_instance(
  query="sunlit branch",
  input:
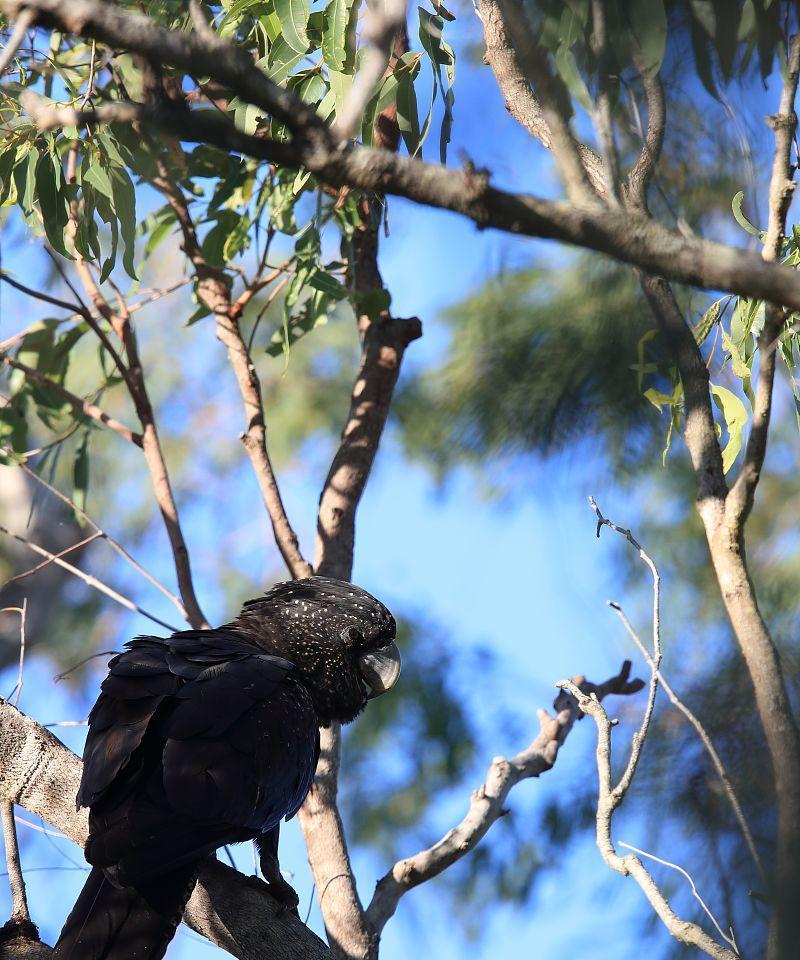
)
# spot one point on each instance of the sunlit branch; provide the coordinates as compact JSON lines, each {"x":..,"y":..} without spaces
{"x":487,"y":804}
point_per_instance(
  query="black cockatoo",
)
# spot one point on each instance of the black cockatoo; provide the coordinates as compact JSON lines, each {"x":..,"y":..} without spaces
{"x":211,"y":737}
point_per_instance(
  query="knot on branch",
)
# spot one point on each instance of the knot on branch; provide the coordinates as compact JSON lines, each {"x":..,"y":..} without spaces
{"x":620,"y":684}
{"x":476,"y":189}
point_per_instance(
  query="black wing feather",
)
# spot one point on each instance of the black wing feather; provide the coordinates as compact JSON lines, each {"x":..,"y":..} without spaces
{"x":195,"y":741}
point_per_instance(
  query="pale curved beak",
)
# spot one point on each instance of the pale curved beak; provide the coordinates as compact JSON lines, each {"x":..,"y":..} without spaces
{"x":380,"y":669}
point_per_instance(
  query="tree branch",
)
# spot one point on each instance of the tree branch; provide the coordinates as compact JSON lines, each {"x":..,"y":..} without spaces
{"x":533,"y":59}
{"x":631,"y":866}
{"x":383,"y":343}
{"x":132,"y":373}
{"x":114,"y":544}
{"x":487,"y":804}
{"x":781,"y":191}
{"x":234,"y":912}
{"x":215,"y":291}
{"x":641,"y":174}
{"x":628,"y":236}
{"x":83,"y":406}
{"x":196,"y":53}
{"x":519,"y":99}
{"x":705,"y":739}
{"x":87,"y":578}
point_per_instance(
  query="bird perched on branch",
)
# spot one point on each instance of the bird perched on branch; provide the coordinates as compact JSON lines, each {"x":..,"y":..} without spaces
{"x":211,"y":737}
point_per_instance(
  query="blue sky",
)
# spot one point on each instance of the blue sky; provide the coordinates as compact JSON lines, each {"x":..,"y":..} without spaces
{"x":448,"y":554}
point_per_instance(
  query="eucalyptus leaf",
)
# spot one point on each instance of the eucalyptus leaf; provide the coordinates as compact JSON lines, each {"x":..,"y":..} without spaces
{"x":735,"y":414}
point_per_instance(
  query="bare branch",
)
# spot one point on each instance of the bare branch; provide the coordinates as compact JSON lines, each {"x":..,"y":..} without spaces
{"x":87,"y":578}
{"x":83,"y":406}
{"x":630,"y":866}
{"x":45,"y":563}
{"x":487,"y":804}
{"x":384,"y":342}
{"x":214,"y":289}
{"x":730,"y":940}
{"x":617,"y":795}
{"x":23,"y":614}
{"x":44,"y":297}
{"x":534,"y":60}
{"x":706,"y":740}
{"x":19,"y":899}
{"x":132,"y":373}
{"x":114,"y":544}
{"x":643,"y":170}
{"x":699,"y":430}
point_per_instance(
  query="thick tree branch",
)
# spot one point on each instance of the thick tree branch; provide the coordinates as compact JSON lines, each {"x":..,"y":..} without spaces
{"x":39,"y":773}
{"x":699,"y":431}
{"x":383,"y":343}
{"x":533,"y":59}
{"x":488,"y":801}
{"x":197,"y":53}
{"x":628,"y":236}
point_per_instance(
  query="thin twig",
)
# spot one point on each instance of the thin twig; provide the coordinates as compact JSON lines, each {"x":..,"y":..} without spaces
{"x":46,"y":298}
{"x":731,"y":940}
{"x":23,"y":612}
{"x":46,"y":563}
{"x":88,"y":579}
{"x":630,"y":866}
{"x":84,"y":406}
{"x":618,"y":793}
{"x":63,"y":676}
{"x":114,"y":544}
{"x":705,"y":739}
